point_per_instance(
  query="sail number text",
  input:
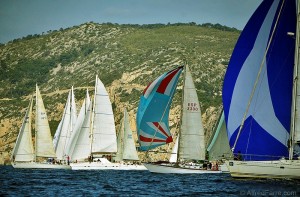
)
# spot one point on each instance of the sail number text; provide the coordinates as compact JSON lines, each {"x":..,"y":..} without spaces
{"x":192,"y":107}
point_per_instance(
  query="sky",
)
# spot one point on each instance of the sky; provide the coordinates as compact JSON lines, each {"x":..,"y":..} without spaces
{"x":19,"y":18}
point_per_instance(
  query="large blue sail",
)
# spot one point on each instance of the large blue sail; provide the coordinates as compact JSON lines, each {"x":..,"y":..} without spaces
{"x":265,"y":133}
{"x":153,"y":111}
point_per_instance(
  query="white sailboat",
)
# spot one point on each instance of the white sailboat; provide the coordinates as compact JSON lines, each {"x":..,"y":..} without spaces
{"x":97,"y":141}
{"x":24,"y":155}
{"x":80,"y":143}
{"x":261,"y":94}
{"x":65,"y":128}
{"x":218,"y":148}
{"x":127,"y":154}
{"x":153,"y":129}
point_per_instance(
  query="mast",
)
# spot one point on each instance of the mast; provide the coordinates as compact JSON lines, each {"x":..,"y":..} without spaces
{"x":93,"y":116}
{"x":181,"y":114}
{"x":36,"y":122}
{"x":122,"y":134}
{"x":295,"y":98}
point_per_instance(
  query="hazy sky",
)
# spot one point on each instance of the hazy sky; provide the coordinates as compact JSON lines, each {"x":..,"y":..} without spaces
{"x":20,"y":18}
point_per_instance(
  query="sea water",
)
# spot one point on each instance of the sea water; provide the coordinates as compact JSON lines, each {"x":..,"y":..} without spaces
{"x":27,"y":182}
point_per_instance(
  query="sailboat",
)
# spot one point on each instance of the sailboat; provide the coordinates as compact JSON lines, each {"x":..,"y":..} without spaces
{"x":260,"y":94}
{"x":80,"y":142}
{"x":65,"y":128}
{"x":127,"y":154}
{"x":24,"y":155}
{"x":95,"y":142}
{"x":153,"y":124}
{"x":218,"y":148}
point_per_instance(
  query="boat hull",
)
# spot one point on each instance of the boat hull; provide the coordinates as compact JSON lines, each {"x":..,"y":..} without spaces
{"x":101,"y":166}
{"x":34,"y":165}
{"x":171,"y":169}
{"x":264,"y":169}
{"x":104,"y":164}
{"x":224,"y":168}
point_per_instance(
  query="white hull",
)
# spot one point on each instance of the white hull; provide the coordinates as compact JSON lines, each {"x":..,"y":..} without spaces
{"x":224,"y":168}
{"x":170,"y":168}
{"x":104,"y":164}
{"x":264,"y":169}
{"x":34,"y":165}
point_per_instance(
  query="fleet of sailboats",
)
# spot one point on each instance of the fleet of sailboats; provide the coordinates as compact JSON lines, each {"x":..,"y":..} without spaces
{"x":42,"y":155}
{"x":95,"y":143}
{"x":153,"y":124}
{"x":261,"y":94}
{"x":258,"y":123}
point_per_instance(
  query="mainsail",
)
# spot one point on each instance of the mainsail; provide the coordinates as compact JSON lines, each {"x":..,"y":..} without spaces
{"x":257,"y":91}
{"x":129,"y":149}
{"x":219,"y":146}
{"x":73,"y":121}
{"x":23,"y":150}
{"x":66,"y":127}
{"x":191,"y":135}
{"x":153,"y":111}
{"x":79,"y":147}
{"x":60,"y":137}
{"x":104,"y":134}
{"x":44,"y":146}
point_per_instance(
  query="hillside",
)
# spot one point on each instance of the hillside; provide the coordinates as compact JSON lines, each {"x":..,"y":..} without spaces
{"x":125,"y":57}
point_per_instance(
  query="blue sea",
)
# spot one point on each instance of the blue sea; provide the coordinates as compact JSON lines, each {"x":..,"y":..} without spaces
{"x":24,"y":182}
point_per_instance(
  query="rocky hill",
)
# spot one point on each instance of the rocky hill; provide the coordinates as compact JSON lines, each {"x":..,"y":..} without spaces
{"x":125,"y":57}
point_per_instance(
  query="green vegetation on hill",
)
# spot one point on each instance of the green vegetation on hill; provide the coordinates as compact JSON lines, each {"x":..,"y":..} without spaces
{"x":125,"y":57}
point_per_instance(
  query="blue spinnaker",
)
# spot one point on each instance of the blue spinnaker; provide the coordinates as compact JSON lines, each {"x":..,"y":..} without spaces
{"x":153,"y":111}
{"x":263,"y":55}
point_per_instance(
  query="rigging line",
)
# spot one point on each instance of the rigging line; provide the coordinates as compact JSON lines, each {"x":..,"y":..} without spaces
{"x":248,"y":141}
{"x":257,"y":78}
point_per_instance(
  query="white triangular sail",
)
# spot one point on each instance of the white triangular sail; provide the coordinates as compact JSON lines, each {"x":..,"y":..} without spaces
{"x":191,"y":143}
{"x":23,"y":150}
{"x":104,"y":133}
{"x":44,"y":146}
{"x":173,"y":157}
{"x":120,"y":142}
{"x":73,"y":119}
{"x":129,"y":152}
{"x":62,"y":133}
{"x":80,"y":146}
{"x":57,"y":134}
{"x":72,"y":124}
{"x":219,"y":147}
